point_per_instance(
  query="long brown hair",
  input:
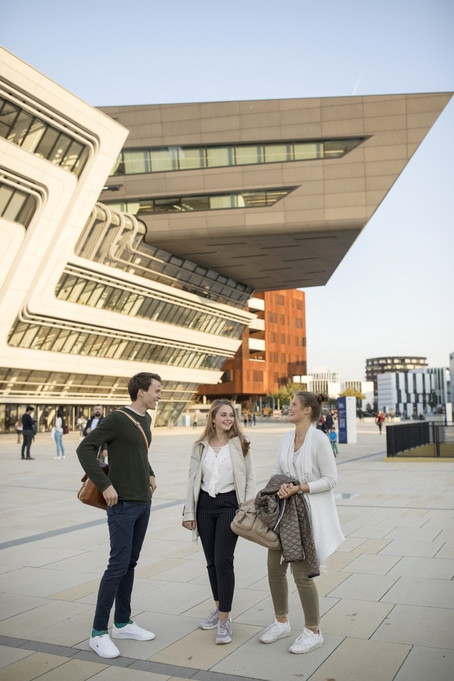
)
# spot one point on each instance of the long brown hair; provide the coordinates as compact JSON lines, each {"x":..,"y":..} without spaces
{"x":235,"y":431}
{"x":309,"y":399}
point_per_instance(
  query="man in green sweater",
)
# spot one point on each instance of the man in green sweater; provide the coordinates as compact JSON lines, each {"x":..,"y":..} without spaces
{"x":127,"y":491}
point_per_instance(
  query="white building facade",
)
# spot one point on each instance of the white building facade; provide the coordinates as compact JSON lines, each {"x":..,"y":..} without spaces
{"x":418,"y":392}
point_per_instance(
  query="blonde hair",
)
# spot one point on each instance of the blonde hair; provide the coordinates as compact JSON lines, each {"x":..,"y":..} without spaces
{"x":235,"y":431}
{"x":312,"y":400}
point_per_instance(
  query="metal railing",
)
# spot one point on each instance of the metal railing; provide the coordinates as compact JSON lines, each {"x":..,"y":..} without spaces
{"x":425,"y":439}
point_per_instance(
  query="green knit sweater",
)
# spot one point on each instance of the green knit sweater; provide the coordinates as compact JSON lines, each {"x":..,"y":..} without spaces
{"x":129,"y":468}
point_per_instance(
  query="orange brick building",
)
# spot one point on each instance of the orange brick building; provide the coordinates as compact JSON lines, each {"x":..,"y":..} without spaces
{"x":273,"y":349}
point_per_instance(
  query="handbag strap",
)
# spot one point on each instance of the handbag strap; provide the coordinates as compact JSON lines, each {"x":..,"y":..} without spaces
{"x":137,"y":424}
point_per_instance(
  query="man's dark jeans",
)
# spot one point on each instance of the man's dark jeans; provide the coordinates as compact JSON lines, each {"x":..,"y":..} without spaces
{"x":128,"y":524}
{"x":27,"y":436}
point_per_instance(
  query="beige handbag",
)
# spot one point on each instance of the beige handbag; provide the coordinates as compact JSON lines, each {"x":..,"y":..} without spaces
{"x":247,"y":524}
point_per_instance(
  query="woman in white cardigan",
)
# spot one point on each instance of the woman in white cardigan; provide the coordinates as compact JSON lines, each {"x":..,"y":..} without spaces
{"x":221,"y":476}
{"x":305,"y":454}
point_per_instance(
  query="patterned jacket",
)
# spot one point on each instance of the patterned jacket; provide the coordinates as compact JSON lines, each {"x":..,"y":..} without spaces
{"x":293,"y":522}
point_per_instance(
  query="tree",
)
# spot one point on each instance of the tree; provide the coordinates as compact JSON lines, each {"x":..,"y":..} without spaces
{"x":350,"y":392}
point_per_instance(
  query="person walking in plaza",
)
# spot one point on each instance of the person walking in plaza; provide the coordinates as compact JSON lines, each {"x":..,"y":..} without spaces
{"x":305,"y":455}
{"x":128,"y":490}
{"x":58,"y":434}
{"x":379,"y":420}
{"x":28,"y":433}
{"x":18,"y":429}
{"x":333,"y":440}
{"x":91,"y":424}
{"x":221,"y":476}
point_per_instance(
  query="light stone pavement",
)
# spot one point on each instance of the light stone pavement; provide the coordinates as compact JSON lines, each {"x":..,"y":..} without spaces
{"x":387,"y":598}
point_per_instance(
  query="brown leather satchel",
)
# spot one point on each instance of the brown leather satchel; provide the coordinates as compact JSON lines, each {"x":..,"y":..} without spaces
{"x":90,"y":494}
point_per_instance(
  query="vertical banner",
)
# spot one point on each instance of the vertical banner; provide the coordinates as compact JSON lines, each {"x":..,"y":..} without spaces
{"x":346,"y":416}
{"x":342,"y":419}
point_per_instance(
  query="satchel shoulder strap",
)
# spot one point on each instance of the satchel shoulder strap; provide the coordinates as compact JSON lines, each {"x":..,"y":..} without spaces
{"x":137,"y":424}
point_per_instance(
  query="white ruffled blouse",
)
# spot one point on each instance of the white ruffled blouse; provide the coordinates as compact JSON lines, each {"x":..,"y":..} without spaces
{"x":217,"y":471}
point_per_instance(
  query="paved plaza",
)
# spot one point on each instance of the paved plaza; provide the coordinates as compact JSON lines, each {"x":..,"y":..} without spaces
{"x":387,"y":597}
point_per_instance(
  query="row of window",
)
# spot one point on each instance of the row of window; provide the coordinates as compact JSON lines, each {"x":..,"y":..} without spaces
{"x":77,"y":289}
{"x":274,"y":357}
{"x":285,"y":340}
{"x":16,"y":205}
{"x":178,"y":204}
{"x":53,"y":339}
{"x":35,"y":383}
{"x":35,"y":135}
{"x":165,"y":159}
{"x":60,"y":388}
{"x":273,"y":319}
{"x":105,"y":240}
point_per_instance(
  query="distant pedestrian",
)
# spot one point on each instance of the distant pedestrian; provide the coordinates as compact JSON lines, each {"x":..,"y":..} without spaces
{"x":329,"y":421}
{"x":333,"y":440}
{"x":58,"y":434}
{"x":195,"y":418}
{"x":379,"y":420}
{"x":91,"y":424}
{"x":18,"y":429}
{"x":28,"y":433}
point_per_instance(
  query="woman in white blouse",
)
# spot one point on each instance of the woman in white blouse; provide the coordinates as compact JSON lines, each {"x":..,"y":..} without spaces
{"x":306,"y":455}
{"x":221,"y":476}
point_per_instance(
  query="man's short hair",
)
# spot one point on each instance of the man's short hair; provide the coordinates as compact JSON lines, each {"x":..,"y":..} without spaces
{"x":141,"y":381}
{"x":29,"y":408}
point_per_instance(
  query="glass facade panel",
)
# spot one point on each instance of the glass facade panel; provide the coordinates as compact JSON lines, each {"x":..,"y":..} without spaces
{"x":248,"y":154}
{"x":195,"y":203}
{"x":47,"y":142}
{"x":217,"y":202}
{"x":15,"y":203}
{"x":277,"y":152}
{"x":163,"y":159}
{"x":191,"y":158}
{"x":6,"y":193}
{"x":61,"y":147}
{"x":34,"y":135}
{"x":25,"y":215}
{"x":70,"y":159}
{"x":219,"y":156}
{"x":20,"y":127}
{"x":136,"y":161}
{"x":308,"y":151}
{"x":8,"y":115}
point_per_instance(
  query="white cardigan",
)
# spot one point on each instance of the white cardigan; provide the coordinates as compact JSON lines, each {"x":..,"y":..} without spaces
{"x":316,"y":467}
{"x":243,"y":474}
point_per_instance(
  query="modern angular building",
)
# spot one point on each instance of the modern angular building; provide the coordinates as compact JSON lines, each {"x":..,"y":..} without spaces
{"x":135,"y":236}
{"x":385,"y":365}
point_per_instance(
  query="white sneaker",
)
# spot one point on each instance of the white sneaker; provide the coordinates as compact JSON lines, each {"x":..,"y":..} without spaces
{"x":306,"y":641}
{"x":103,"y":646}
{"x":211,"y":622}
{"x":132,"y":630}
{"x":275,"y":631}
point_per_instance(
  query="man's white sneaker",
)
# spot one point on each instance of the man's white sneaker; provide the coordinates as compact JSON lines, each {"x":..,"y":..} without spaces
{"x":211,"y":622}
{"x":306,"y":641}
{"x":275,"y":631}
{"x":103,"y":646}
{"x":132,"y":630}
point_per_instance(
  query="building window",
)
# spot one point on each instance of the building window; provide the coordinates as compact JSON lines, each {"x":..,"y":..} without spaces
{"x":260,"y":198}
{"x":165,"y":159}
{"x":41,"y":138}
{"x":16,"y":205}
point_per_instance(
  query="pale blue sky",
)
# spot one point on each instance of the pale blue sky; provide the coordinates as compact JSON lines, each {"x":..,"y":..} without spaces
{"x":393,"y":292}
